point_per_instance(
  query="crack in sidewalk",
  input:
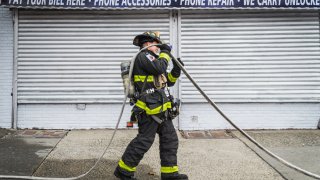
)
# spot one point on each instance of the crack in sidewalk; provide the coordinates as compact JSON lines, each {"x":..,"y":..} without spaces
{"x":45,"y":158}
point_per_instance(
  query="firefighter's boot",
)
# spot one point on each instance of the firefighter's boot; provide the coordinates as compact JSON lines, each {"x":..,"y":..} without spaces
{"x":173,"y":176}
{"x":122,"y":176}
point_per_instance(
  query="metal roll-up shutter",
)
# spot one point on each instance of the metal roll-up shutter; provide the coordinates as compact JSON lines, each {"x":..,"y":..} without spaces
{"x":251,"y":56}
{"x":74,"y":56}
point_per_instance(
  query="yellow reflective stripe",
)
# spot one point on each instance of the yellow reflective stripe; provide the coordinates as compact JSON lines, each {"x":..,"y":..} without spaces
{"x":126,"y":167}
{"x":156,"y":110}
{"x":170,"y":169}
{"x":141,"y":104}
{"x":138,"y":78}
{"x":171,"y":78}
{"x":165,"y":55}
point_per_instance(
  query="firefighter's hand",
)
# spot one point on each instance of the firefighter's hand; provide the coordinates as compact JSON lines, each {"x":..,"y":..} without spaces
{"x":165,"y":48}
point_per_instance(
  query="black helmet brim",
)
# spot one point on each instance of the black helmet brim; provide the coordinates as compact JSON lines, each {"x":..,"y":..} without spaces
{"x":142,"y":38}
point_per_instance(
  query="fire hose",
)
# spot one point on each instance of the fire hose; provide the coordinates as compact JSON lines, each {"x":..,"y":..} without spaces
{"x":212,"y":103}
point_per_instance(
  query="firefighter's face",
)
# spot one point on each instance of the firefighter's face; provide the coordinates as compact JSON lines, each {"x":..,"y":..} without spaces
{"x":154,"y":49}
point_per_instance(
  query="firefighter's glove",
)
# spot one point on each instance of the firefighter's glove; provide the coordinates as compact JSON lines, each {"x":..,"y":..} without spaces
{"x":176,"y":71}
{"x":176,"y":65}
{"x":165,"y":48}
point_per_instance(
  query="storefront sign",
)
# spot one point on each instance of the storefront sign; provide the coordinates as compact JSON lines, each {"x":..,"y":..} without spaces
{"x":173,"y":4}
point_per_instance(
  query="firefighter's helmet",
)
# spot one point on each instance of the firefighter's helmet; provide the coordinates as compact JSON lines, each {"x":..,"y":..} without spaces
{"x":148,"y":36}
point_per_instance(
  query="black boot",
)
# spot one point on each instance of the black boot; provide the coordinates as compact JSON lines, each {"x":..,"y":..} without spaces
{"x":122,"y":176}
{"x":173,"y":176}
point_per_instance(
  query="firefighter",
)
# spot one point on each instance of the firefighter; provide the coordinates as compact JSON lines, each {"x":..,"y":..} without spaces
{"x":152,"y":108}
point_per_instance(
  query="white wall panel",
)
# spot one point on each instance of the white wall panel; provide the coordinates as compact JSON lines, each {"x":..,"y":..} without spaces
{"x":201,"y":116}
{"x":6,"y":67}
{"x":68,"y":116}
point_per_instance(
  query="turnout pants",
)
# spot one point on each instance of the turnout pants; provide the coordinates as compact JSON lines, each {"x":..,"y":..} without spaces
{"x":143,"y":141}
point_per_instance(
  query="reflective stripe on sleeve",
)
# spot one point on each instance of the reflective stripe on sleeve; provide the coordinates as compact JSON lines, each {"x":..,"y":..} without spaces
{"x":171,"y":78}
{"x":165,"y":55}
{"x":170,"y":169}
{"x":126,"y":167}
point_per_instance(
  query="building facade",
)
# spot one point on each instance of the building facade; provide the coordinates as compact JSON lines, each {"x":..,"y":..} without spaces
{"x":261,"y":66}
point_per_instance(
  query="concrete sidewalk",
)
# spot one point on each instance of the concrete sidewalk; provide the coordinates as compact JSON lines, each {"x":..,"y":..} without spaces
{"x":202,"y":159}
{"x":199,"y":158}
{"x":299,"y":147}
